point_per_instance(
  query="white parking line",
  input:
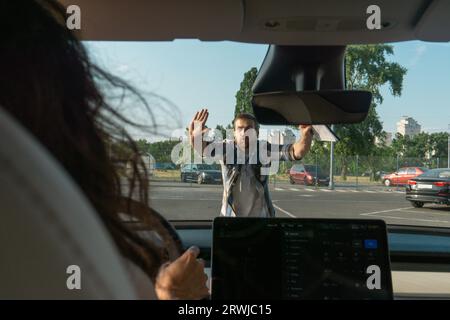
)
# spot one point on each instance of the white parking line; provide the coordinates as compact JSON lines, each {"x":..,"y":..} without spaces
{"x":413,"y":219}
{"x":183,"y":199}
{"x":338,"y":190}
{"x":399,"y":210}
{"x":426,"y":212}
{"x":284,"y":211}
{"x":382,"y":211}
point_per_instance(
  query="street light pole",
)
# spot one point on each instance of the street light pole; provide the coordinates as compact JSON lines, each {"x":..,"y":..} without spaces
{"x":448,"y":147}
{"x":331,"y":183}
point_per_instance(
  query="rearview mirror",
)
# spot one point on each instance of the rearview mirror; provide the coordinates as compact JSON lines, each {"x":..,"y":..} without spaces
{"x":305,"y":85}
{"x":311,"y":107}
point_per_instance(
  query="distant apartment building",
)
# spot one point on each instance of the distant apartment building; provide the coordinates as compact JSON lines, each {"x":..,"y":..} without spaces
{"x":281,"y":137}
{"x":407,"y":126}
{"x":387,"y":141}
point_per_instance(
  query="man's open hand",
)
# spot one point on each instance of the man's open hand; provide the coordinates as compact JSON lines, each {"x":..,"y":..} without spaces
{"x":306,"y":130}
{"x":197,"y":128}
{"x":302,"y":146}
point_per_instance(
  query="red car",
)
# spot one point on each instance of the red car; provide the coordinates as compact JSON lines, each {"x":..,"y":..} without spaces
{"x":402,"y":176}
{"x":308,"y":175}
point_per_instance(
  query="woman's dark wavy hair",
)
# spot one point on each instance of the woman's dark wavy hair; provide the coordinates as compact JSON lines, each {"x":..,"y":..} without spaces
{"x":48,"y":83}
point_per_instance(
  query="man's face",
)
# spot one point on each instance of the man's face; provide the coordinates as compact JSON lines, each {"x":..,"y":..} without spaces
{"x":245,"y":132}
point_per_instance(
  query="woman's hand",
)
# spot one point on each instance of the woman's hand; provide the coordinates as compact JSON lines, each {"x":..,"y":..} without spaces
{"x":183,"y":278}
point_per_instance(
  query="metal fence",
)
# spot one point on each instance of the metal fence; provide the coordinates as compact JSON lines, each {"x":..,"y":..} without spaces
{"x":361,"y":170}
{"x":358,"y":170}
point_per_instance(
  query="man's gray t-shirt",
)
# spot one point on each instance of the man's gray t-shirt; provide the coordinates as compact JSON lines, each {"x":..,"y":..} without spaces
{"x":243,"y":194}
{"x":248,"y":195}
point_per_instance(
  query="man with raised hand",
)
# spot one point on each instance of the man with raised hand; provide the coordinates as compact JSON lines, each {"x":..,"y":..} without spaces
{"x":244,"y":162}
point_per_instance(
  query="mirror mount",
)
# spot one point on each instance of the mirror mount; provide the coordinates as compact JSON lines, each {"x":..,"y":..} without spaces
{"x":306,"y":85}
{"x":308,"y":78}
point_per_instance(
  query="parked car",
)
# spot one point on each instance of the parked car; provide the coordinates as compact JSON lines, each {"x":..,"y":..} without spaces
{"x":380,"y":174}
{"x":433,"y":186}
{"x":308,"y":175}
{"x":377,"y":175}
{"x":402,"y":176}
{"x":366,"y":173}
{"x":164,"y":166}
{"x":201,"y":173}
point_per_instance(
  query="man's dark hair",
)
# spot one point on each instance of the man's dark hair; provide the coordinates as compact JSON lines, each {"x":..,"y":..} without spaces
{"x":247,"y":116}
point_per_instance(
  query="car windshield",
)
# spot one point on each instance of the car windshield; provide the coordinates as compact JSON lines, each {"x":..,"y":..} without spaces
{"x":313,"y":169}
{"x":436,"y":173}
{"x":407,"y":127}
{"x":207,"y":167}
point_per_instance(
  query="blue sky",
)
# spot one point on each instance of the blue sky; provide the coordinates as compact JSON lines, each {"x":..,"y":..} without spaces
{"x":194,"y":74}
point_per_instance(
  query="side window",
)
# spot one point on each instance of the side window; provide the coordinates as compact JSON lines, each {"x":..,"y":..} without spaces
{"x":194,"y":167}
{"x":402,"y":171}
{"x":444,"y":174}
{"x":411,"y":171}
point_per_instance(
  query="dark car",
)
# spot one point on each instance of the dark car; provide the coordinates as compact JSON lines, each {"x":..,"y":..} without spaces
{"x":201,"y":173}
{"x":164,"y":166}
{"x":433,"y":186}
{"x":402,"y":176}
{"x":308,"y":175}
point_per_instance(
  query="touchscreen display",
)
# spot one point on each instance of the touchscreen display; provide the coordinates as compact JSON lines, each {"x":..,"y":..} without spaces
{"x":277,"y":258}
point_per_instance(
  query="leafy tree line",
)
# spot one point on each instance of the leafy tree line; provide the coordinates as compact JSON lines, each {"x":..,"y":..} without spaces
{"x":422,"y":149}
{"x":160,"y":150}
{"x":368,"y":67}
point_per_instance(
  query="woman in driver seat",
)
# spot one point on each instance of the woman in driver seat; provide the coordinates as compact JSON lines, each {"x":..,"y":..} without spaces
{"x":51,"y":87}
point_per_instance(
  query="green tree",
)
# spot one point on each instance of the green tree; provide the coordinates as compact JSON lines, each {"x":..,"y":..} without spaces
{"x":367,"y":68}
{"x":162,"y":150}
{"x":439,"y":143}
{"x":143,"y":146}
{"x":421,"y":148}
{"x":244,"y":94}
{"x":223,"y":131}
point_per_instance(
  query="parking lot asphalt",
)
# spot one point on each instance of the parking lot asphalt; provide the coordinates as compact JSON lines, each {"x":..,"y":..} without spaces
{"x":189,"y":201}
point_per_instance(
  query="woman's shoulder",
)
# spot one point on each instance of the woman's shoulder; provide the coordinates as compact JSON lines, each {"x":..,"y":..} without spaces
{"x":143,"y":285}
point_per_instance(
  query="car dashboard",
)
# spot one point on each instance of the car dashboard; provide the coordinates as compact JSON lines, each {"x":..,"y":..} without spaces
{"x":420,"y":257}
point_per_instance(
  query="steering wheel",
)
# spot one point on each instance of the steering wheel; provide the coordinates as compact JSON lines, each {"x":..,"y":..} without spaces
{"x":172,"y":240}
